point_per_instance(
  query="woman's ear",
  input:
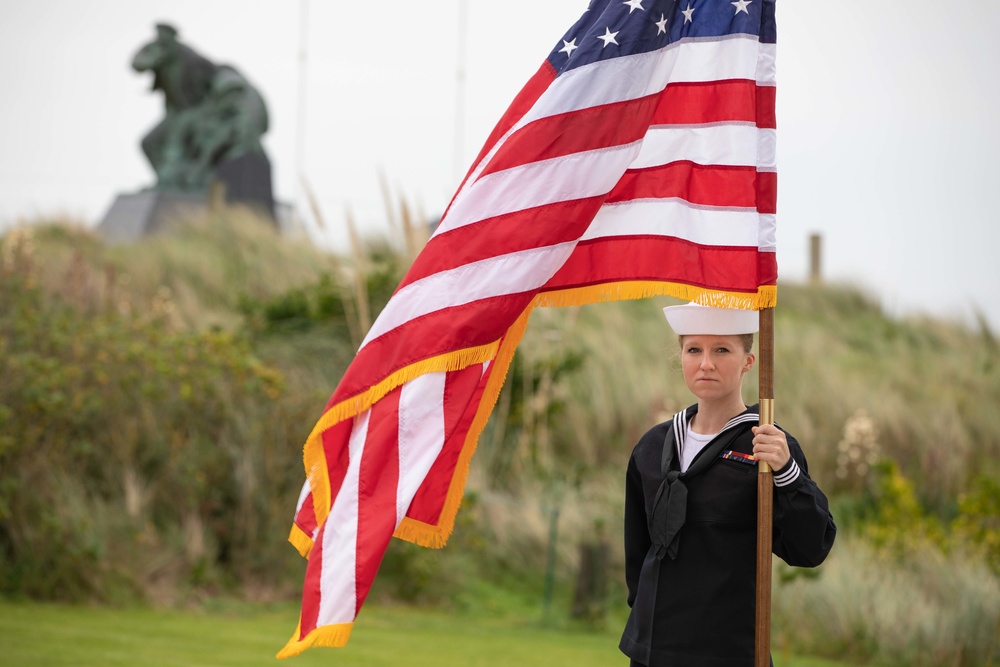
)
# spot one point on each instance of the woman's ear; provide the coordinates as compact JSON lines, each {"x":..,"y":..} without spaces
{"x":748,"y":364}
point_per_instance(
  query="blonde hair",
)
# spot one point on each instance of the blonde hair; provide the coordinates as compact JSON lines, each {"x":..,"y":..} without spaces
{"x":745,"y":339}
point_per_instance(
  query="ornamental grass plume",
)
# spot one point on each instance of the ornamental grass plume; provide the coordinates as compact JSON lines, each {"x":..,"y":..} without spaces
{"x":17,"y":252}
{"x":858,"y":451}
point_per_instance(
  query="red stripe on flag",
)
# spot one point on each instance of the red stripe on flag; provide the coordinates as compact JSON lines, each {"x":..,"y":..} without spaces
{"x":700,"y":102}
{"x":767,"y":268}
{"x":711,"y":185}
{"x":463,"y":391}
{"x":337,"y":454}
{"x":428,"y":336}
{"x":767,"y":192}
{"x":766,"y":98}
{"x":659,"y":259}
{"x":305,"y":518}
{"x":574,"y":132}
{"x":513,"y":232}
{"x":378,"y":480}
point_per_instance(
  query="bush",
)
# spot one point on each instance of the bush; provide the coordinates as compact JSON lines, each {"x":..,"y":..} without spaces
{"x":931,"y":608}
{"x":978,"y":520}
{"x":155,"y":397}
{"x":132,"y":455}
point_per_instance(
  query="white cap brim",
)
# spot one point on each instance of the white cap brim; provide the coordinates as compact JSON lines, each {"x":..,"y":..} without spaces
{"x":692,"y":318}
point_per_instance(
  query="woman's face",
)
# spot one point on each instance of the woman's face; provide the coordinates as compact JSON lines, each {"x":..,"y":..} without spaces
{"x":713,"y":366}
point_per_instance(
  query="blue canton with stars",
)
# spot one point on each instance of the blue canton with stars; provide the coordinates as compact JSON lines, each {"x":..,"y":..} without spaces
{"x":612,"y":28}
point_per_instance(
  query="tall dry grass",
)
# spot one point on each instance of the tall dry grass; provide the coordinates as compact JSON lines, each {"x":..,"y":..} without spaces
{"x":929,"y":387}
{"x":587,"y":381}
{"x":206,"y":264}
{"x":927,"y":609}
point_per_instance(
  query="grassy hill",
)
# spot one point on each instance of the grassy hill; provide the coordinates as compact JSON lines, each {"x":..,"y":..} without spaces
{"x":156,"y":397}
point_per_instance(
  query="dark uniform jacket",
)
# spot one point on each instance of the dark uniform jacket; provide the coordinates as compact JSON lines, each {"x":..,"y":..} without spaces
{"x":693,"y":605}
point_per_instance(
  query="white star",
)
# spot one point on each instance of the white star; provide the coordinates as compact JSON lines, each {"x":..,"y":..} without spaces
{"x":569,"y":47}
{"x":741,"y":6}
{"x":688,"y":14}
{"x":633,"y":5}
{"x":608,"y":36}
{"x":661,"y":25}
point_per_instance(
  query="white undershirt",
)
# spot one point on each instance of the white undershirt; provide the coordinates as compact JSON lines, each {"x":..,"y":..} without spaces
{"x":694,"y":443}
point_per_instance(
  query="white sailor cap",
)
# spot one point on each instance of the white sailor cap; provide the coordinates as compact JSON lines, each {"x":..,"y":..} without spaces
{"x":693,"y":318}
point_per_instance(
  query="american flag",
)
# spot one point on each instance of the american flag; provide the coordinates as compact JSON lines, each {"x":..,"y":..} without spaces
{"x":639,"y":160}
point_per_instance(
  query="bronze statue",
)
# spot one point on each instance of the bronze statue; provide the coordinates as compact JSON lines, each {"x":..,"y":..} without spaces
{"x":213,"y":116}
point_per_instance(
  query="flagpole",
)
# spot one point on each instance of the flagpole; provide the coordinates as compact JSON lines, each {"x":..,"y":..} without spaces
{"x":459,"y":148}
{"x":765,"y":496}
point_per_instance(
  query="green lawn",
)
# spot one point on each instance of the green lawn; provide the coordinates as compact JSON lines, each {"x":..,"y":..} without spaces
{"x":42,"y":635}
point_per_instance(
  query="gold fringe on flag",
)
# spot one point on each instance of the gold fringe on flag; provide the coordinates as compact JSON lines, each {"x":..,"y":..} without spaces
{"x":331,"y":636}
{"x":766,"y":296}
{"x":303,"y":543}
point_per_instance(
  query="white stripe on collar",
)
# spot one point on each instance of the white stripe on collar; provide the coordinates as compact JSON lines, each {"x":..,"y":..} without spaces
{"x":682,"y":425}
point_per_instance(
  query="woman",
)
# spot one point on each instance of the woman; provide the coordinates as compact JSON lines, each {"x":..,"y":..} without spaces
{"x":691,"y":506}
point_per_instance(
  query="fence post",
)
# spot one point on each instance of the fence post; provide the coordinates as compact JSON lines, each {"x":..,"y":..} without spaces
{"x":550,"y":567}
{"x":815,"y":258}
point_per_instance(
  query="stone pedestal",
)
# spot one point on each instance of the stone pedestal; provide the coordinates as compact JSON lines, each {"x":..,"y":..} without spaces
{"x":247,"y":181}
{"x":133,"y":216}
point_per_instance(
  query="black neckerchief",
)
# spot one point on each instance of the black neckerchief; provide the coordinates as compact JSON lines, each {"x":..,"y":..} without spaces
{"x":670,"y":503}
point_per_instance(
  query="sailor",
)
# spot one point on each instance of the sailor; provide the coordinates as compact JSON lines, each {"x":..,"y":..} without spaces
{"x":691,"y":506}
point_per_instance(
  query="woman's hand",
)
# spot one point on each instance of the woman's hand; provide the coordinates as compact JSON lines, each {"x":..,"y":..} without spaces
{"x":770,"y":446}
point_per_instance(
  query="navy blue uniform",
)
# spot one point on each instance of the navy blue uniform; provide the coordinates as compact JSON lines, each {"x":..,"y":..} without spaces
{"x":694,"y":607}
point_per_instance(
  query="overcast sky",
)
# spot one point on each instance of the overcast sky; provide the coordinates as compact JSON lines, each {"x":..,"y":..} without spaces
{"x":887,"y":118}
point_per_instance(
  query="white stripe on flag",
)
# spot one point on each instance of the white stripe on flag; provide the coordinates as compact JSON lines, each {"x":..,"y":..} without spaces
{"x":767,"y":71}
{"x":421,"y":434}
{"x":565,"y":178}
{"x":303,"y":494}
{"x":338,"y":589}
{"x":677,"y":218}
{"x":767,"y":149}
{"x":512,"y":273}
{"x":632,"y":77}
{"x":767,"y":239}
{"x":736,"y":144}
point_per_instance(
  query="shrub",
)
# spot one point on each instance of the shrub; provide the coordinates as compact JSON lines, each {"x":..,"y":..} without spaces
{"x":930,"y":608}
{"x":978,"y":520}
{"x":131,"y":453}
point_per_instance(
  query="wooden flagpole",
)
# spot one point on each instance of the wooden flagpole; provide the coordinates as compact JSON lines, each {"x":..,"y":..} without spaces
{"x":765,"y":496}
